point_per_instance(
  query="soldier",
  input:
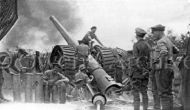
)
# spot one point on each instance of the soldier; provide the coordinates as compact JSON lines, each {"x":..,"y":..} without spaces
{"x":2,"y":99}
{"x":81,"y":75}
{"x":53,"y":81}
{"x":163,"y":66}
{"x":83,"y":51}
{"x":81,"y":79}
{"x":120,"y":68}
{"x":139,"y":72}
{"x":3,"y":66}
{"x":14,"y":66}
{"x":91,"y":35}
{"x":154,"y":87}
{"x":37,"y":62}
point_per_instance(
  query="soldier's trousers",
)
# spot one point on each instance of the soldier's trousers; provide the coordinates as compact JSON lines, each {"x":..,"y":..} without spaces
{"x":164,"y":85}
{"x":156,"y":97}
{"x":55,"y":93}
{"x":140,"y":86}
{"x":119,"y":75}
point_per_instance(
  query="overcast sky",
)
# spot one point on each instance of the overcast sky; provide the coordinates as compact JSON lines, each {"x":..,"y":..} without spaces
{"x":117,"y":19}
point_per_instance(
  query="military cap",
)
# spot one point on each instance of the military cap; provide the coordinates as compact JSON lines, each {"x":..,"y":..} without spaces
{"x":22,"y":51}
{"x":158,"y":27}
{"x":93,"y":27}
{"x":140,"y":32}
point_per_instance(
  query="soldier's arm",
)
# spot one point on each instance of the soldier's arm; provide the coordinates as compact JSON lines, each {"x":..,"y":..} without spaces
{"x":5,"y":62}
{"x":7,"y":70}
{"x":163,"y":53}
{"x":163,"y":49}
{"x":88,"y":36}
{"x":63,"y":78}
{"x":149,"y":49}
{"x":98,"y":40}
{"x":175,"y":50}
{"x":46,"y":74}
{"x":135,"y":50}
{"x":54,"y":79}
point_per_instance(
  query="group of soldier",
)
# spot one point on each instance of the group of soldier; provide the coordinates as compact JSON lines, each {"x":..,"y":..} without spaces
{"x":54,"y":79}
{"x":154,"y":63}
{"x":55,"y":82}
{"x":150,"y":63}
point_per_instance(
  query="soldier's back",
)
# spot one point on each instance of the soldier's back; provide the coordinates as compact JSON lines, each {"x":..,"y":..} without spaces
{"x":143,"y":49}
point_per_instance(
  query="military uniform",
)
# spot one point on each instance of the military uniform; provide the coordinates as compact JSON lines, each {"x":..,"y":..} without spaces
{"x":139,"y":75}
{"x":119,"y":70}
{"x":83,"y":50}
{"x":88,"y":37}
{"x":163,"y":69}
{"x":82,"y":53}
{"x":81,"y":79}
{"x":54,"y":83}
{"x":5,"y":61}
{"x":14,"y":66}
{"x":154,"y":87}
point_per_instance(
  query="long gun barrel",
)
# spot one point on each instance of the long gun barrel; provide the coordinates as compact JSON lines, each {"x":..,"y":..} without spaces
{"x":63,"y":32}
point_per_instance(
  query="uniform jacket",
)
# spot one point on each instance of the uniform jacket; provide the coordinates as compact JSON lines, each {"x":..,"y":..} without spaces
{"x":164,"y":48}
{"x":88,"y":37}
{"x":52,"y":76}
{"x":80,"y":76}
{"x":141,"y":48}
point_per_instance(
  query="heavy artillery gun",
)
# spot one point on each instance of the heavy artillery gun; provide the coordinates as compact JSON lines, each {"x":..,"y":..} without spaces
{"x":65,"y":55}
{"x":105,"y":56}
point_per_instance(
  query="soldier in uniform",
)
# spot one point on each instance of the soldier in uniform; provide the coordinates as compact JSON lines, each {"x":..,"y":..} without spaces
{"x":120,"y":69}
{"x":81,"y":79}
{"x":139,"y":71}
{"x":87,"y":39}
{"x":54,"y":80}
{"x":14,"y":66}
{"x":154,"y":87}
{"x":82,"y":51}
{"x":163,"y":66}
{"x":3,"y":66}
{"x":2,"y":99}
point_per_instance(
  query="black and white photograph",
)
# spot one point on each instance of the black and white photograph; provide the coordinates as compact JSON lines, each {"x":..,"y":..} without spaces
{"x":95,"y":54}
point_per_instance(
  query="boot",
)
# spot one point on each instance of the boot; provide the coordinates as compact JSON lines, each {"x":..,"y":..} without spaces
{"x":136,"y":103}
{"x":145,"y":101}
